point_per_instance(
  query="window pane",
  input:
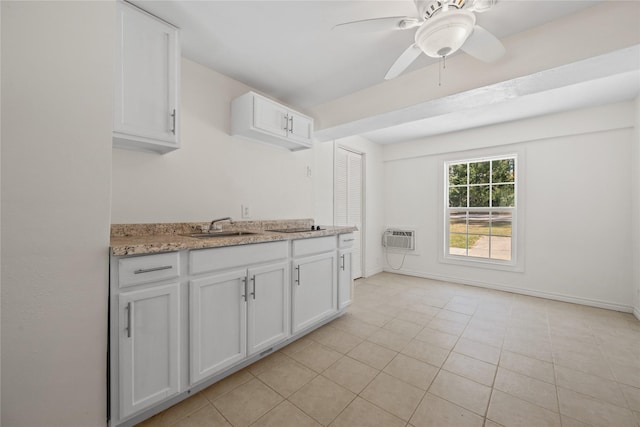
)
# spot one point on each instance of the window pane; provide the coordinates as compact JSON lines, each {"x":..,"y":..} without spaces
{"x":479,"y":196}
{"x":501,"y":224}
{"x":479,"y":222}
{"x":458,"y":244}
{"x":457,"y":197}
{"x":458,"y":174}
{"x":501,"y":248}
{"x":479,"y":173}
{"x":478,"y":246}
{"x":458,"y":222}
{"x":504,"y":170}
{"x":503,"y":195}
{"x":458,"y":233}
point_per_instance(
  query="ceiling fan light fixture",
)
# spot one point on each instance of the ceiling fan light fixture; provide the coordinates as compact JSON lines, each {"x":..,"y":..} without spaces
{"x":445,"y":33}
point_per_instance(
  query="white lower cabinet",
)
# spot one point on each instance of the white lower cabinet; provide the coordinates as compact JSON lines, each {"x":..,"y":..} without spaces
{"x":149,"y":343}
{"x":345,"y":281}
{"x":345,"y":270}
{"x":269,"y":306}
{"x":236,"y":314}
{"x":203,"y":312}
{"x":218,"y":322}
{"x":314,"y":289}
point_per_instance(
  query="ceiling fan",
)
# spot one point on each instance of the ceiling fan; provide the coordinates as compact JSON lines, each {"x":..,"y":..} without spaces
{"x":444,"y":27}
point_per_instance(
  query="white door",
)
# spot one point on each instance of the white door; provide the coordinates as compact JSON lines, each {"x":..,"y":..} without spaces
{"x":348,"y":196}
{"x":269,"y":116}
{"x":146,"y":76}
{"x":218,"y":320}
{"x":345,"y":281}
{"x":269,"y":306}
{"x":314,"y":289}
{"x":149,"y":341}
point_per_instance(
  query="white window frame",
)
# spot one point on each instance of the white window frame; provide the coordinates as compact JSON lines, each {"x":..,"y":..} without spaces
{"x":517,"y":229}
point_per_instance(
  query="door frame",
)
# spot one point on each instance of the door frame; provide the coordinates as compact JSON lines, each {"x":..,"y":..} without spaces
{"x":363,"y":199}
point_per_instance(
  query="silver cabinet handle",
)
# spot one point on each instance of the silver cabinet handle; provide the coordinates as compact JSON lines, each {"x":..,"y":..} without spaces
{"x":298,"y":276}
{"x":349,"y":240}
{"x":253,"y":279}
{"x":286,"y":122}
{"x":244,"y":280}
{"x":129,"y":319}
{"x":149,"y":270}
{"x":173,"y":125}
{"x":291,"y":122}
{"x":342,"y":258}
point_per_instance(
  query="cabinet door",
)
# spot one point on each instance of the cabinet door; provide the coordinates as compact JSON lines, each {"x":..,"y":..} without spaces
{"x":269,"y":306}
{"x":149,"y":342}
{"x":314,"y":289}
{"x":300,"y":128}
{"x":147,"y":64}
{"x":345,"y":282}
{"x":218,"y":320}
{"x":269,"y":116}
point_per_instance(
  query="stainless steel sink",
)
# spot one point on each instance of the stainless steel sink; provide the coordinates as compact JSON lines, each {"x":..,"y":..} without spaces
{"x":219,"y":234}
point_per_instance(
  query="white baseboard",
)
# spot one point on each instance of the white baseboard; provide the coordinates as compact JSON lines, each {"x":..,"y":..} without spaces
{"x":531,"y":292}
{"x":373,"y":272}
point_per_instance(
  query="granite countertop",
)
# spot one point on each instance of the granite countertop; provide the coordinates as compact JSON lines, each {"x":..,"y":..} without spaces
{"x":138,"y":239}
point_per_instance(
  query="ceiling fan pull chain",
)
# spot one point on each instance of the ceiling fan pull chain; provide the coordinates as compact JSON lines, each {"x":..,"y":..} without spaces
{"x":442,"y":64}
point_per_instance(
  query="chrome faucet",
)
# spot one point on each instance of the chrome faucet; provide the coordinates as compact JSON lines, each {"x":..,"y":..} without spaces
{"x":213,"y":228}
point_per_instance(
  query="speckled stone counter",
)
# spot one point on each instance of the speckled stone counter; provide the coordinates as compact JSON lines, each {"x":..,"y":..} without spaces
{"x":138,"y":239}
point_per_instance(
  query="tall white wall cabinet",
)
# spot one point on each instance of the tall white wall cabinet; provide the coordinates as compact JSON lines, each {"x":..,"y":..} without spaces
{"x":147,"y":90}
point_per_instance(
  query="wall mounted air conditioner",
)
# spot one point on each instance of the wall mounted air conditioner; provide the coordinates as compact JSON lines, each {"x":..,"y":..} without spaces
{"x":399,"y":239}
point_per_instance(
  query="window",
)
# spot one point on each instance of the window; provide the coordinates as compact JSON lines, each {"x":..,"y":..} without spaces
{"x":480,"y":209}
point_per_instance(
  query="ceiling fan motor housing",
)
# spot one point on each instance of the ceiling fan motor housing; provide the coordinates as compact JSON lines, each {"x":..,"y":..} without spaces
{"x":445,"y":33}
{"x":429,"y":8}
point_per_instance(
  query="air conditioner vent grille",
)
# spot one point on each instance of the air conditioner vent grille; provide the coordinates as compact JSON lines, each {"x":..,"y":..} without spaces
{"x":399,"y":239}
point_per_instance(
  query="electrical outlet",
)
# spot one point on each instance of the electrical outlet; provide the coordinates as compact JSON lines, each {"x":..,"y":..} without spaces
{"x":308,"y":171}
{"x":246,"y":211}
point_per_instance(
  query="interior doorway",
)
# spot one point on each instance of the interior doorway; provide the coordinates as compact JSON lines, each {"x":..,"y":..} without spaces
{"x":348,"y":194}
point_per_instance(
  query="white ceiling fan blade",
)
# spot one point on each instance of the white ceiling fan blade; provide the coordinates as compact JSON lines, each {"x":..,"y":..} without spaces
{"x":483,"y":45}
{"x":378,"y":24}
{"x":401,"y":64}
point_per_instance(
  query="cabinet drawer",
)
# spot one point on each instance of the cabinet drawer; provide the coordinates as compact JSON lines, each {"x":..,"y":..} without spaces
{"x":149,"y":268}
{"x":316,"y":245}
{"x":346,"y":240}
{"x":203,"y":260}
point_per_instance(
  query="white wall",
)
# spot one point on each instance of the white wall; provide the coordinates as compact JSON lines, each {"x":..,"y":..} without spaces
{"x":577,"y":238}
{"x":57,"y":72}
{"x":635,"y":167}
{"x":323,"y":174}
{"x":213,"y":174}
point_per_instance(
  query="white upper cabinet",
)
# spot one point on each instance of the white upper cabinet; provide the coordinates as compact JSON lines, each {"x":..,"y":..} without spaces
{"x":260,"y":119}
{"x":146,"y":108}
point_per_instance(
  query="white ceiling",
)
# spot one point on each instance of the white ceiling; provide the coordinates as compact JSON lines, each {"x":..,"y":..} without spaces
{"x":287,"y":50}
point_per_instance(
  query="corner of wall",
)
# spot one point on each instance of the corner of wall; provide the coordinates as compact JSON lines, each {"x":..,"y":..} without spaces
{"x":635,"y":211}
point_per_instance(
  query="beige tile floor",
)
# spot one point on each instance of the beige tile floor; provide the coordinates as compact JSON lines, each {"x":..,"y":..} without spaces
{"x":414,"y":352}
